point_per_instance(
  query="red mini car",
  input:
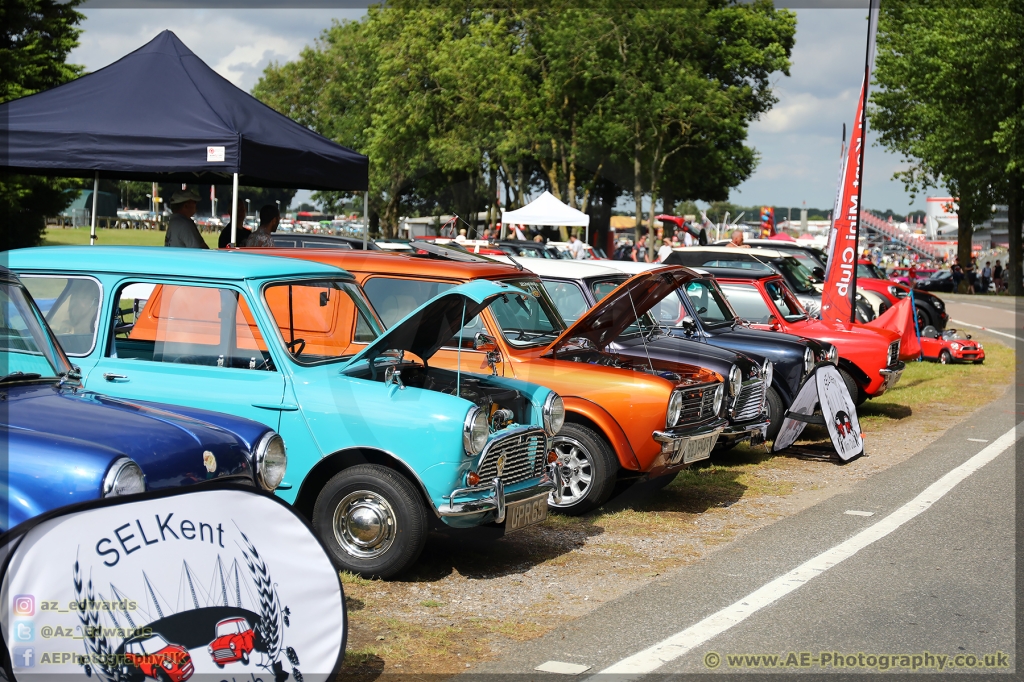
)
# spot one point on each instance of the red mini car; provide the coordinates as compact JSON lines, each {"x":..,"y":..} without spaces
{"x":868,"y":358}
{"x":950,"y":346}
{"x":234,"y":642}
{"x":158,"y":659}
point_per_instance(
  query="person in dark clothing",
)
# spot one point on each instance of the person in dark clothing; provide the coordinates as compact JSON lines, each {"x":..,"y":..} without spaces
{"x":243,"y":232}
{"x":997,"y":276}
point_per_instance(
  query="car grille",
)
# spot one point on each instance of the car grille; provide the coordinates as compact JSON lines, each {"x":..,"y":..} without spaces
{"x":894,"y":353}
{"x":223,"y":653}
{"x":186,"y":670}
{"x":524,"y":454}
{"x":698,"y":405}
{"x":750,"y":401}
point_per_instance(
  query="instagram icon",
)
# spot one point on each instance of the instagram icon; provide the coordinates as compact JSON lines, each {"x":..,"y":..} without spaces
{"x":24,"y":605}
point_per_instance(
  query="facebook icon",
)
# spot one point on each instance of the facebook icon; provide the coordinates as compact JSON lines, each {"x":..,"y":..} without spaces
{"x":24,"y":657}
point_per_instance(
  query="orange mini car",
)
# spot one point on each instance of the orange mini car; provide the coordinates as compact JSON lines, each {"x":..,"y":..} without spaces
{"x":626,"y":419}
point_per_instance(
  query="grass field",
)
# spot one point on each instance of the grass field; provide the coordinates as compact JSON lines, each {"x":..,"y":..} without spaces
{"x":56,"y":236}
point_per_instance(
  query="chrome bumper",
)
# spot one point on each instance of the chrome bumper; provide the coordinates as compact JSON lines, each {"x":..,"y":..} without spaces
{"x":757,"y":432}
{"x":673,"y":441}
{"x":495,"y":497}
{"x":891,"y":376}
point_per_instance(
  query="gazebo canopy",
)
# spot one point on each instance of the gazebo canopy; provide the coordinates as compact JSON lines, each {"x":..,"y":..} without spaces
{"x":545,"y":210}
{"x":161,"y":114}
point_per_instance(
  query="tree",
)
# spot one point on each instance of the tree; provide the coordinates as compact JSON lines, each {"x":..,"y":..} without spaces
{"x":950,"y":102}
{"x":35,"y":39}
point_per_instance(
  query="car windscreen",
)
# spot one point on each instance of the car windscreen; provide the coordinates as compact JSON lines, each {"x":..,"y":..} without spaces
{"x":26,"y":345}
{"x":709,"y":303}
{"x":527,"y":320}
{"x":799,"y":278}
{"x":748,"y":303}
{"x":394,"y":297}
{"x":152,"y":645}
{"x":785,"y":301}
{"x":71,"y":306}
{"x":319,"y":319}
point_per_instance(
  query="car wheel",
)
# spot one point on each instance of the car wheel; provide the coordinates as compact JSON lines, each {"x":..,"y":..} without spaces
{"x":945,"y":357}
{"x":245,"y":658}
{"x":588,"y":466}
{"x":856,"y":394}
{"x":776,"y":413}
{"x":161,"y":676}
{"x":924,"y":318}
{"x":220,"y":665}
{"x":372,"y":521}
{"x":980,"y":362}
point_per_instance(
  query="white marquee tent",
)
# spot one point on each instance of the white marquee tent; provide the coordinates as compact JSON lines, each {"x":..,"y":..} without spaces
{"x":547,"y":210}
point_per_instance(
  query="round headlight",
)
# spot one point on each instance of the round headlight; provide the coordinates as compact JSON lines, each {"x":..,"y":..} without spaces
{"x":719,"y":395}
{"x":768,"y":371}
{"x":832,"y":355}
{"x":124,"y":477}
{"x":808,"y":360}
{"x":955,"y":345}
{"x":165,"y":663}
{"x":675,"y":408}
{"x":735,"y":380}
{"x":475,"y":431}
{"x":553,"y":414}
{"x":271,"y":461}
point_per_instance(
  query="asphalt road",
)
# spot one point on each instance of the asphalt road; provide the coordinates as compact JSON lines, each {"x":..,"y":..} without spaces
{"x":941,"y":581}
{"x":995,"y":313}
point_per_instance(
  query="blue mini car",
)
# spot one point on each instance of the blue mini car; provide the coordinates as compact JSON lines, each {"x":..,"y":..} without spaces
{"x":380,"y":443}
{"x":64,"y":445}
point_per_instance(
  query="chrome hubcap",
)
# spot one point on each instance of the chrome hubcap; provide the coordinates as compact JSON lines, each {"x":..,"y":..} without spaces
{"x":577,"y":470}
{"x":364,"y":524}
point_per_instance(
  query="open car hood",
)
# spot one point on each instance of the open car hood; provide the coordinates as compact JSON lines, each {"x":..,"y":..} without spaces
{"x":432,"y":325}
{"x":606,"y":321}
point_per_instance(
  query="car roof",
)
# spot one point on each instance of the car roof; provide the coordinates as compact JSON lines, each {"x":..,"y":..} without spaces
{"x":768,"y":253}
{"x":398,"y":263}
{"x":738,"y":273}
{"x":149,"y":260}
{"x":563,"y":268}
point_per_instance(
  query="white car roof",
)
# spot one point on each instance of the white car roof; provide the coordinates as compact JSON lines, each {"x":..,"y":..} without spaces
{"x":560,"y":267}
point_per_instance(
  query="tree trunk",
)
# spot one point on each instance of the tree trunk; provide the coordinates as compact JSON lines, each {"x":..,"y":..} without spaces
{"x":637,"y":189}
{"x":1015,"y":215}
{"x":966,"y":212}
{"x":493,"y":214}
{"x":520,"y":184}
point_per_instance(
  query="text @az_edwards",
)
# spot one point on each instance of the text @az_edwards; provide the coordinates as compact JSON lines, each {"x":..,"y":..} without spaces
{"x":838,"y":660}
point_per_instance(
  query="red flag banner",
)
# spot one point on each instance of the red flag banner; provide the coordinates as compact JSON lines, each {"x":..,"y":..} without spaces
{"x":837,"y":296}
{"x":901,"y":319}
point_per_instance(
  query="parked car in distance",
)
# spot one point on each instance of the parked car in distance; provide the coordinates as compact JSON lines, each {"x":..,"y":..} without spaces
{"x":525,"y":249}
{"x":589,"y":252}
{"x":298,"y":240}
{"x":868,"y":358}
{"x":811,"y":257}
{"x":940,"y":280}
{"x":578,"y":286}
{"x":930,"y":309}
{"x":901,"y":275}
{"x":379,"y":441}
{"x":700,"y":311}
{"x":64,"y":445}
{"x":235,"y":642}
{"x":949,"y":346}
{"x":626,"y":420}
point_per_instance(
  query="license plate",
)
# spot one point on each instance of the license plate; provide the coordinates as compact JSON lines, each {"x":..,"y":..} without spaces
{"x":526,"y":512}
{"x":699,"y":448}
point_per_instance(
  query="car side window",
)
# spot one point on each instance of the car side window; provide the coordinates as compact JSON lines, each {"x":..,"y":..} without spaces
{"x":393,"y":298}
{"x":669,"y":311}
{"x":187,"y":325}
{"x":748,"y":303}
{"x":568,"y":299}
{"x":71,"y":306}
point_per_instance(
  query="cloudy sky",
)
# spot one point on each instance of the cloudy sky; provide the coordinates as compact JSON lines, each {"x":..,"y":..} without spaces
{"x":798,"y":140}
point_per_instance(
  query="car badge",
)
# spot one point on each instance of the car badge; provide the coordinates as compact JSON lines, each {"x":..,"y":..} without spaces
{"x":501,"y":464}
{"x":209,"y":461}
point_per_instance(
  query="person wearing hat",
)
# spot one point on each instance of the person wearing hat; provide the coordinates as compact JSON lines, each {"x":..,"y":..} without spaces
{"x":181,"y":229}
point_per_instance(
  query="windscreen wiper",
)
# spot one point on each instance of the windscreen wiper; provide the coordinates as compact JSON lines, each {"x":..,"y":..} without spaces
{"x":23,"y":376}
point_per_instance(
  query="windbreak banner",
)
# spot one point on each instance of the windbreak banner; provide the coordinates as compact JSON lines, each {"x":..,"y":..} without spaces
{"x":212,"y":585}
{"x":824,"y":389}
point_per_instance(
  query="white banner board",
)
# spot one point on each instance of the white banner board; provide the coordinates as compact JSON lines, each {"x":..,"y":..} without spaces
{"x":221,"y":584}
{"x":824,"y":388}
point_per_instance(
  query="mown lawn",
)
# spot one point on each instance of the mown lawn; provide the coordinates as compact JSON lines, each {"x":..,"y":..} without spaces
{"x":56,"y":236}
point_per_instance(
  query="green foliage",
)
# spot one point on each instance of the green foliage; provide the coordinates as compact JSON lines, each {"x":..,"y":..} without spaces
{"x":448,"y":99}
{"x":35,"y":39}
{"x":950,"y":100}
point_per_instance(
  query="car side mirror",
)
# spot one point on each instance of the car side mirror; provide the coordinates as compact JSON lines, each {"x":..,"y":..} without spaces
{"x":773,"y":321}
{"x":688,"y":324}
{"x":819,"y":273}
{"x":968,"y":336}
{"x":484,"y":343}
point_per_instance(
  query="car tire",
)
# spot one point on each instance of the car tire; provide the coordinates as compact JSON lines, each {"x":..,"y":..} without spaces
{"x":390,"y":530}
{"x":945,"y":357}
{"x":245,"y":658}
{"x":589,"y":466}
{"x":776,"y":413}
{"x":856,"y":394}
{"x":980,"y":362}
{"x":924,"y":317}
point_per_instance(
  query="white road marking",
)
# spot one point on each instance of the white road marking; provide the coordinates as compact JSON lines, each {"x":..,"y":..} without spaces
{"x":673,"y":647}
{"x":990,"y":331}
{"x":854,"y":512}
{"x":986,"y":307}
{"x":562,"y":668}
{"x":977,"y":440}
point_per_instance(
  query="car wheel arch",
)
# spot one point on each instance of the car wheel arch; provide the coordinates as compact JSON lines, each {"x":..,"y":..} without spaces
{"x":593,"y":416}
{"x":856,"y":372}
{"x":335,"y":462}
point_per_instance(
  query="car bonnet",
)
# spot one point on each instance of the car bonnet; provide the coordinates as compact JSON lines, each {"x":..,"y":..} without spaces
{"x":607,"y":320}
{"x":424,"y":330}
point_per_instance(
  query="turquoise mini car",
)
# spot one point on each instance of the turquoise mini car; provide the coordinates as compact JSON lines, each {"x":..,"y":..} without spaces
{"x":380,"y":444}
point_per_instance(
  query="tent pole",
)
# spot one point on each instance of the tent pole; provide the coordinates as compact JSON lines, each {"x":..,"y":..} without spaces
{"x":587,"y":233}
{"x":366,"y":218}
{"x":95,"y":195}
{"x":234,"y":210}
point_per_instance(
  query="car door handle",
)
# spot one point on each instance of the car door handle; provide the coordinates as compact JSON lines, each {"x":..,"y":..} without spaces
{"x":284,"y":407}
{"x":114,"y":377}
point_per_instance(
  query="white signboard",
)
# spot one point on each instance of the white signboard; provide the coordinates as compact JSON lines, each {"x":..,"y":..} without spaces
{"x":825,"y":388}
{"x":210,"y":585}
